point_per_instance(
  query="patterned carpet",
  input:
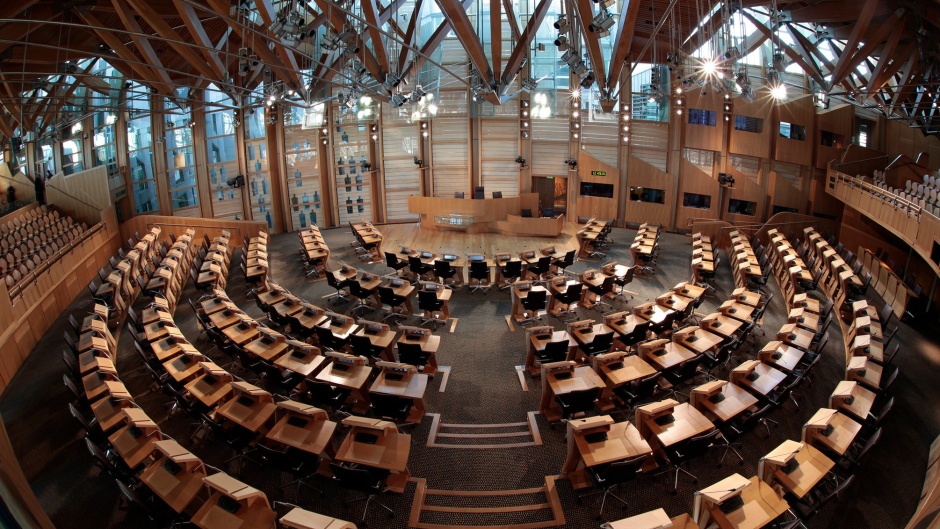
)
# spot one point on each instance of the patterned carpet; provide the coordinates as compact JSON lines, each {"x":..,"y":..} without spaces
{"x":483,"y":388}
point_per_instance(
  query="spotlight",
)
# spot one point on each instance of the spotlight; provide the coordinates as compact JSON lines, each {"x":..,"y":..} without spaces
{"x":398,"y":100}
{"x":588,"y":80}
{"x":579,"y":69}
{"x":726,"y":180}
{"x":778,"y":61}
{"x":529,"y":84}
{"x":602,"y":22}
{"x":562,"y":25}
{"x":562,"y":43}
{"x":605,"y":3}
{"x":418,"y":162}
{"x":417,"y":94}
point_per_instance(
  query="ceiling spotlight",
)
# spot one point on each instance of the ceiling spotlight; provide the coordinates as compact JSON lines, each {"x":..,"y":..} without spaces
{"x":398,"y":100}
{"x":529,"y":84}
{"x":418,"y":94}
{"x":562,"y":43}
{"x":778,"y":61}
{"x":709,"y":67}
{"x":605,"y":3}
{"x":779,"y":91}
{"x":588,"y":80}
{"x":562,"y":25}
{"x":602,"y":22}
{"x":391,"y":81}
{"x":579,"y":69}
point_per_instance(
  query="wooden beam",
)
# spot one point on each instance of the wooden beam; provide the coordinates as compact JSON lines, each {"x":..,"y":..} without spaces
{"x":336,"y":15}
{"x":514,"y":63}
{"x":803,"y":55}
{"x":805,"y":62}
{"x":435,"y":40}
{"x":122,"y":51}
{"x":198,"y":32}
{"x":585,"y":16}
{"x":626,"y":26}
{"x":11,"y":9}
{"x":861,"y":24}
{"x":266,"y":10}
{"x":877,"y":76}
{"x":455,"y":13}
{"x":61,"y":101}
{"x":513,"y":23}
{"x":409,"y":39}
{"x":496,"y":36}
{"x":903,"y":80}
{"x":264,"y":53}
{"x":833,"y":11}
{"x":142,"y":43}
{"x":371,"y":12}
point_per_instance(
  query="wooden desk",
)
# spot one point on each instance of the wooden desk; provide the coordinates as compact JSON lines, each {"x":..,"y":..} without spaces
{"x":768,"y":377}
{"x":688,"y":423}
{"x":583,"y":378}
{"x":241,"y":333}
{"x":184,"y":367}
{"x":633,"y":368}
{"x":538,"y":340}
{"x":411,"y":386}
{"x":671,"y":354}
{"x":738,"y":311}
{"x":135,"y":450}
{"x":844,"y":430}
{"x":177,"y":489}
{"x":804,"y":319}
{"x":652,"y":312}
{"x":735,"y":402}
{"x":746,"y":297}
{"x":304,"y":362}
{"x":252,"y":415}
{"x":253,"y":512}
{"x":861,"y":399}
{"x":212,"y":305}
{"x":723,"y":325}
{"x":864,"y":372}
{"x":762,"y":505}
{"x":271,"y":297}
{"x":656,"y":519}
{"x":701,"y":340}
{"x":780,"y":356}
{"x":795,"y":336}
{"x":623,"y":441}
{"x":299,"y":518}
{"x":312,"y":316}
{"x":224,"y":318}
{"x":354,"y":378}
{"x":267,"y":347}
{"x":389,"y":452}
{"x":95,"y":384}
{"x":110,"y":411}
{"x":209,"y":389}
{"x":303,"y":427}
{"x":812,"y":467}
{"x":689,"y":290}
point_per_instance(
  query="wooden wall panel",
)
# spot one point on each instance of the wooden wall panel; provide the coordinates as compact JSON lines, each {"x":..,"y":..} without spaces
{"x":642,"y":174}
{"x":753,"y":143}
{"x":604,"y":208}
{"x":839,"y":121}
{"x":702,"y":136}
{"x":785,"y":193}
{"x":83,"y":195}
{"x":797,"y":111}
{"x":745,"y":188}
{"x":694,"y":180}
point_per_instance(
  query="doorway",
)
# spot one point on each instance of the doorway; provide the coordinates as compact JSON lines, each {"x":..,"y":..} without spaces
{"x":553,"y":193}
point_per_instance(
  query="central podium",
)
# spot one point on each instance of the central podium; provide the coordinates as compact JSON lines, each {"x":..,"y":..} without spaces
{"x":486,"y":215}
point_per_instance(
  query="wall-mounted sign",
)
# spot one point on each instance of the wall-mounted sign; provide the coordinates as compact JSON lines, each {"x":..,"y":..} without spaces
{"x":598,"y":173}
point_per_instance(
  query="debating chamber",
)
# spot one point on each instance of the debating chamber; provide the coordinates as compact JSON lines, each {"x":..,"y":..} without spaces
{"x":469,"y":264}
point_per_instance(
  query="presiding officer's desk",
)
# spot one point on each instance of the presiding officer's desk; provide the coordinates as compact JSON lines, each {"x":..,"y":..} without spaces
{"x":503,"y":215}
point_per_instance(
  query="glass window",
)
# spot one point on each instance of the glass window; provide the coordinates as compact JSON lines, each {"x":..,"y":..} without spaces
{"x":831,"y":139}
{"x":702,"y":117}
{"x":180,"y":159}
{"x":256,"y":159}
{"x":647,"y":194}
{"x":792,"y":131}
{"x":222,"y":159}
{"x":748,"y":123}
{"x":742,"y":207}
{"x":695,"y":200}
{"x":139,"y":149}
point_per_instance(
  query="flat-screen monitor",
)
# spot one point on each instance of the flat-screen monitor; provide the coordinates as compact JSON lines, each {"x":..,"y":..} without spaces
{"x":594,"y":189}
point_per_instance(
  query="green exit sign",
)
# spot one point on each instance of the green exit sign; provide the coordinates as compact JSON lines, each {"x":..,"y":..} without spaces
{"x":598,"y":173}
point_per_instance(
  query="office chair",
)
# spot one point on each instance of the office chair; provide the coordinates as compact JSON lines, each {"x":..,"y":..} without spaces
{"x":601,"y":291}
{"x":458,"y":194}
{"x":478,"y":193}
{"x":534,"y":304}
{"x":553,"y":352}
{"x":301,"y":466}
{"x":639,"y":391}
{"x":480,"y":272}
{"x":393,"y":301}
{"x":362,"y":346}
{"x":323,"y":395}
{"x":732,"y":430}
{"x":611,"y":475}
{"x":428,"y":302}
{"x":419,"y":269}
{"x":569,"y":299}
{"x":392,"y":261}
{"x":826,"y":491}
{"x":686,"y":371}
{"x":445,"y":272}
{"x":623,"y":281}
{"x":328,"y":340}
{"x":637,"y":335}
{"x":511,"y":271}
{"x":339,"y":286}
{"x":577,"y":403}
{"x":412,"y":354}
{"x":362,"y":479}
{"x":390,"y":407}
{"x":601,"y":344}
{"x":562,"y":263}
{"x":361,"y":294}
{"x":663,"y":327}
{"x":680,"y":454}
{"x":594,"y":249}
{"x":539,"y":269}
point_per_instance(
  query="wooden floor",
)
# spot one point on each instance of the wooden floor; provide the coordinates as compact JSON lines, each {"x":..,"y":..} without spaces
{"x":458,"y":243}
